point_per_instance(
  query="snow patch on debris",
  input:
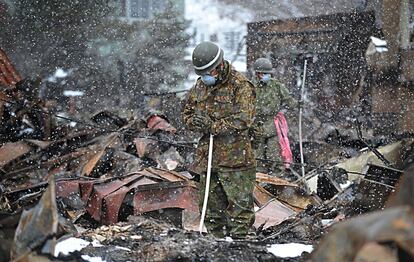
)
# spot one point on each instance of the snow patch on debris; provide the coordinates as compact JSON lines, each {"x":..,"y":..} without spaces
{"x":345,"y":185}
{"x":378,"y":42}
{"x":123,"y":248}
{"x":70,"y":245}
{"x":96,"y":243}
{"x":326,"y":222}
{"x":229,"y":239}
{"x":289,"y":250}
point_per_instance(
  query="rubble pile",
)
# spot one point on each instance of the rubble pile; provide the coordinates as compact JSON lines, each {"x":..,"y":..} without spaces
{"x":121,"y":190}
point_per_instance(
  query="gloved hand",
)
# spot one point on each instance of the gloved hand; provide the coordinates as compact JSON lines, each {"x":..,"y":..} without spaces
{"x":256,"y":133}
{"x":202,"y":122}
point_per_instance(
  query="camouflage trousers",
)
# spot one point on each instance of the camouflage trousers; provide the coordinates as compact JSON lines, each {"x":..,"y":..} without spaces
{"x":230,"y":210}
{"x":269,"y":149}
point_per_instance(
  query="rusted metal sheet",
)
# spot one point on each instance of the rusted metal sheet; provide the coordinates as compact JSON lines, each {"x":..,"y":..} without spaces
{"x":95,"y":205}
{"x":166,"y":195}
{"x":113,"y":202}
{"x":104,"y":198}
{"x":12,"y":151}
{"x":85,"y":190}
{"x":8,"y":74}
{"x":156,"y":122}
{"x":65,"y":188}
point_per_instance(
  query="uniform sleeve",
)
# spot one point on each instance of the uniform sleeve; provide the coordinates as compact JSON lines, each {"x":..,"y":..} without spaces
{"x":287,"y":100}
{"x":244,"y":110}
{"x":189,"y":110}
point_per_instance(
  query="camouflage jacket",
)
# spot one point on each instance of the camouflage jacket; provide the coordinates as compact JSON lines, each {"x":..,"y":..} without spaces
{"x":271,"y":97}
{"x":231,"y":106}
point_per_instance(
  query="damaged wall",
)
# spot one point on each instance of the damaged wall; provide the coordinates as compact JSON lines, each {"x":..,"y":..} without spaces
{"x":392,"y":72}
{"x":343,"y":72}
{"x":334,"y":46}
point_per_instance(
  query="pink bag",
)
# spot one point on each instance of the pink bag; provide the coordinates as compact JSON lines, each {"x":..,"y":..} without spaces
{"x":282,"y":133}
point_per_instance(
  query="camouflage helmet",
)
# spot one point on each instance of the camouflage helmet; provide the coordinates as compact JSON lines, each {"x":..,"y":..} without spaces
{"x":206,"y":56}
{"x":263,"y":65}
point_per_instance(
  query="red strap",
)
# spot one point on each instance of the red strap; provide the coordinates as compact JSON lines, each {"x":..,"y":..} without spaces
{"x":282,"y":133}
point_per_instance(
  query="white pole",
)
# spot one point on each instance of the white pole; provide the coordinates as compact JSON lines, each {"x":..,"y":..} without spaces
{"x":302,"y":91}
{"x":210,"y":158}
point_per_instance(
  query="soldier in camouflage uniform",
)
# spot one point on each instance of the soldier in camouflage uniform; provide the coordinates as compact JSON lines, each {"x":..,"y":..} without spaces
{"x":271,"y":97}
{"x":222,"y":103}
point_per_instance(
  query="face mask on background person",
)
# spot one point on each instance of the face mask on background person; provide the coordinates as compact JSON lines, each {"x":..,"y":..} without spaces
{"x":265,"y":78}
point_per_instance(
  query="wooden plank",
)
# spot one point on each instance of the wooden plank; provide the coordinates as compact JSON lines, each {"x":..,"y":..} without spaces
{"x":12,"y":151}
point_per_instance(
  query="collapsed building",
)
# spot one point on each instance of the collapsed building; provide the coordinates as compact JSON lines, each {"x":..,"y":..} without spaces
{"x":350,"y":71}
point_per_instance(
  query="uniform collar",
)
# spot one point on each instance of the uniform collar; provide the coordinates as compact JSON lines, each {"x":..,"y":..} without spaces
{"x":258,"y":83}
{"x":225,"y":77}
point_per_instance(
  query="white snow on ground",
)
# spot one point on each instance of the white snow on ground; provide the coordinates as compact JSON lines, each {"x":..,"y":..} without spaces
{"x":73,"y":93}
{"x":326,"y":222}
{"x":92,"y":259}
{"x":76,"y":244}
{"x":289,"y":250}
{"x":70,"y":245}
{"x":378,"y":42}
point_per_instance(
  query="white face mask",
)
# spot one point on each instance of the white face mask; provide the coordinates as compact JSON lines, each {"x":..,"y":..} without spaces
{"x":265,"y":78}
{"x":209,"y":80}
